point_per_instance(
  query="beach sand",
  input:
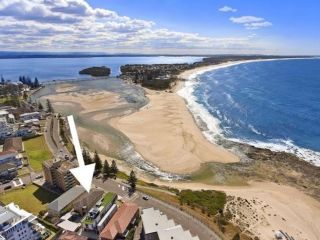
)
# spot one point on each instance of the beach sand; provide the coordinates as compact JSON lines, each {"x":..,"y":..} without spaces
{"x":264,"y":208}
{"x":164,"y":133}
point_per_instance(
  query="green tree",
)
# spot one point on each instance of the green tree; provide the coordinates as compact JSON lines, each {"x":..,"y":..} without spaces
{"x":98,"y":162}
{"x":106,"y":170}
{"x":114,"y":168}
{"x":132,"y":181}
{"x":40,"y":107}
{"x":49,"y":106}
{"x":86,"y":157}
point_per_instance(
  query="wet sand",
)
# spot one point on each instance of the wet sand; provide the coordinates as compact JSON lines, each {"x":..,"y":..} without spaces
{"x":165,"y":133}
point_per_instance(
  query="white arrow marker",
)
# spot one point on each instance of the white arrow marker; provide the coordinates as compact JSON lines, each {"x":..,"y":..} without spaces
{"x":83,"y":173}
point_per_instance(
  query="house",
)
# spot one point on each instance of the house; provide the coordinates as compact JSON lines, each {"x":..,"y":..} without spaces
{"x":68,"y":235}
{"x":121,"y":222}
{"x":16,"y":223}
{"x":156,"y":226}
{"x":31,"y":115}
{"x":57,"y":173}
{"x":6,"y":129}
{"x":99,"y":215}
{"x":13,"y":144}
{"x":8,"y":171}
{"x":62,"y":204}
{"x":11,"y":157}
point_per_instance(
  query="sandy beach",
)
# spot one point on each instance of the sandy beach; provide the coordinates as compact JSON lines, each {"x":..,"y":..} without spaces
{"x":264,"y":208}
{"x":164,"y":132}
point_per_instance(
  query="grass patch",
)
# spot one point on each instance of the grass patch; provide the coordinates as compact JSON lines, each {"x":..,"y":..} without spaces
{"x":37,"y":152}
{"x":108,"y":198}
{"x":208,"y":201}
{"x":32,"y":199}
{"x":23,"y":171}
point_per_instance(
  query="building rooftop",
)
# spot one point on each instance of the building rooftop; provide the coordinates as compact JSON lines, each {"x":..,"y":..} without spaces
{"x":7,"y":166}
{"x":156,"y":222}
{"x":27,"y":114}
{"x":8,"y":153}
{"x":13,"y":144}
{"x":71,"y":236}
{"x":12,"y":213}
{"x":66,"y":198}
{"x":3,"y":112}
{"x":120,"y":221}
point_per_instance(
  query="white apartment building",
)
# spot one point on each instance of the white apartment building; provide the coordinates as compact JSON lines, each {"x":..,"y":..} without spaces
{"x":16,"y":224}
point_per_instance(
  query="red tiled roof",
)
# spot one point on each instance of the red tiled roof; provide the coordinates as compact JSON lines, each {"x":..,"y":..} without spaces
{"x":120,"y":221}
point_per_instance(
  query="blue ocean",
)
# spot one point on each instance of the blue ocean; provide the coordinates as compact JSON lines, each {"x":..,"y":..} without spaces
{"x":270,"y":104}
{"x":67,"y":68}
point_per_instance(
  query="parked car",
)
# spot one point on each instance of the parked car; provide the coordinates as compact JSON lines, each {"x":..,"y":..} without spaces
{"x":145,"y":198}
{"x":39,"y":176}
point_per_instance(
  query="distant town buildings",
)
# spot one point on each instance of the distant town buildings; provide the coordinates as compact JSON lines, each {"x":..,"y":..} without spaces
{"x":156,"y":226}
{"x":57,"y":173}
{"x":16,"y":223}
{"x":120,"y":223}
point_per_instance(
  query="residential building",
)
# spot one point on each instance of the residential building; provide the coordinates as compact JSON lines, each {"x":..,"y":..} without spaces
{"x":68,"y":235}
{"x":88,"y":200}
{"x":99,"y":215}
{"x":8,"y":171}
{"x":62,"y":204}
{"x":156,"y":226}
{"x":57,"y":173}
{"x":16,"y":223}
{"x":31,"y":115}
{"x":6,"y":129}
{"x":120,"y":224}
{"x":11,"y":157}
{"x":13,"y":144}
{"x":4,"y":115}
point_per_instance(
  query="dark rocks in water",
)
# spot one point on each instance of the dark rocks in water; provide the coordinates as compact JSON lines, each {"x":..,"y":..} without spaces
{"x":96,"y":71}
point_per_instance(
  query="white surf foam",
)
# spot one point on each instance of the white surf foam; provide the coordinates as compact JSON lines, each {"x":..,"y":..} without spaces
{"x":213,"y":131}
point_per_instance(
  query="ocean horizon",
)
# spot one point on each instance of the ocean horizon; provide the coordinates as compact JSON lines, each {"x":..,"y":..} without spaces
{"x":272,"y":104}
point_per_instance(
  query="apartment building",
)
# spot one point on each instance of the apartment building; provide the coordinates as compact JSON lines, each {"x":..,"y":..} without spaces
{"x":100,"y":214}
{"x":62,"y":204}
{"x":157,"y":226}
{"x":16,"y":223}
{"x":57,"y":173}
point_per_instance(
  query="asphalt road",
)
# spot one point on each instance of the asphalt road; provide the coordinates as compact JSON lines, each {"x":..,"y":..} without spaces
{"x":53,"y":138}
{"x":180,"y":217}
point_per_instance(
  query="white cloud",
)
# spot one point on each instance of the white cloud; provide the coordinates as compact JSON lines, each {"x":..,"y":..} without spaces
{"x":227,"y":9}
{"x":251,"y":22}
{"x":75,"y":25}
{"x":246,"y":19}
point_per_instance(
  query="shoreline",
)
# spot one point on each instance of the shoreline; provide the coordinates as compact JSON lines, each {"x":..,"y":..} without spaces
{"x":212,"y":130}
{"x":298,"y":215}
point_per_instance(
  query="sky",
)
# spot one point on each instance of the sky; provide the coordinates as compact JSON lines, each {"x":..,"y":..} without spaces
{"x":162,"y":26}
